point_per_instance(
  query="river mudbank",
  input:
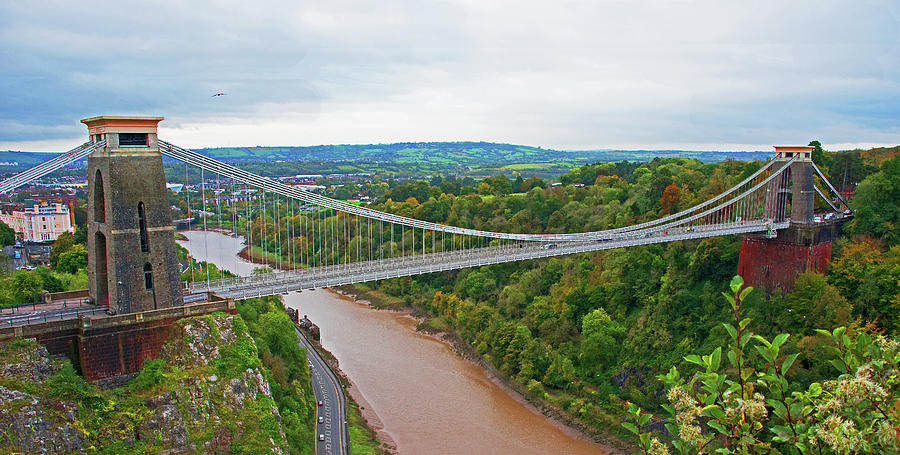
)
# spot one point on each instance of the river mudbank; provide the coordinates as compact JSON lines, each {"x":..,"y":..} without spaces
{"x":254,"y":258}
{"x":612,"y":443}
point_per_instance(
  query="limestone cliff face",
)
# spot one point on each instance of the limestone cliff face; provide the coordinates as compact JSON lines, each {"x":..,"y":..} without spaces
{"x":206,"y":394}
{"x":30,"y":421}
{"x":222,"y":399}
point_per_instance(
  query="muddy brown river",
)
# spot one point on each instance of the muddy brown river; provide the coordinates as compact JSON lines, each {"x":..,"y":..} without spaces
{"x":427,"y":399}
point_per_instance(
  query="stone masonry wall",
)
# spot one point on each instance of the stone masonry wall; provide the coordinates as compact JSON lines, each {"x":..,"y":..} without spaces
{"x":772,"y":264}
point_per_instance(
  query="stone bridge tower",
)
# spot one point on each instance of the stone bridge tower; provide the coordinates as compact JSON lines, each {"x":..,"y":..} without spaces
{"x":132,"y":260}
{"x":774,"y":263}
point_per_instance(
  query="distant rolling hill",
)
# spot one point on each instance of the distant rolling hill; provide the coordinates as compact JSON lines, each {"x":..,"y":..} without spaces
{"x":418,"y":158}
{"x":23,"y":159}
{"x":473,"y":154}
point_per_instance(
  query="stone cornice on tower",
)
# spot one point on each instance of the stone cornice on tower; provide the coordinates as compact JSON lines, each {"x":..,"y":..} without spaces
{"x":121,"y":124}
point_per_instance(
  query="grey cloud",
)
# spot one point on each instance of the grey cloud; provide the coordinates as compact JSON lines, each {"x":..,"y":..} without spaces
{"x":555,"y":74}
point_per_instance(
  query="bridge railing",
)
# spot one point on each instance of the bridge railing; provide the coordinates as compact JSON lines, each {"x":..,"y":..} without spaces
{"x":48,"y":316}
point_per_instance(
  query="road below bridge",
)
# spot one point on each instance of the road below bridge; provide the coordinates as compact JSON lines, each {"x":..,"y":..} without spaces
{"x":332,"y":436}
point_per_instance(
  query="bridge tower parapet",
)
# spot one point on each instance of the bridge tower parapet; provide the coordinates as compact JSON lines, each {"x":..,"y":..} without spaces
{"x":132,"y":260}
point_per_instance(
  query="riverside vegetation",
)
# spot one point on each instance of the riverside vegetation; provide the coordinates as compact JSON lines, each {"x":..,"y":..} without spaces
{"x":591,"y":332}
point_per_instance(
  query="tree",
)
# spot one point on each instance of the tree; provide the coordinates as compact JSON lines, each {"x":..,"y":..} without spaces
{"x":560,"y":373}
{"x":62,"y":244}
{"x":600,"y":344}
{"x":815,"y":303}
{"x":511,"y":301}
{"x":532,"y":182}
{"x":49,"y":281}
{"x":517,"y":184}
{"x":499,"y":185}
{"x":73,"y":260}
{"x":512,"y":359}
{"x":877,"y":203}
{"x":870,"y":280}
{"x":820,"y":156}
{"x":7,"y":235}
{"x":669,"y":201}
{"x":22,"y":286}
{"x":847,"y":170}
{"x":80,"y":235}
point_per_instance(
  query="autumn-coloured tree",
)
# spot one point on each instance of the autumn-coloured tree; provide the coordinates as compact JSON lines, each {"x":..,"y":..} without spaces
{"x":669,"y":201}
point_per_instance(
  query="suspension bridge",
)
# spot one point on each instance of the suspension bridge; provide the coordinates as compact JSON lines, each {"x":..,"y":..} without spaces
{"x":315,"y":241}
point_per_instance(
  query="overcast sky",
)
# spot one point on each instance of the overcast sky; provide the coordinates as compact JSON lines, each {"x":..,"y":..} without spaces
{"x":722,"y":75}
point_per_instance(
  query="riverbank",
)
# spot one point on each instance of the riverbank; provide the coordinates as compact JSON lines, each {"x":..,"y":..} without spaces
{"x":612,"y":443}
{"x":264,"y":261}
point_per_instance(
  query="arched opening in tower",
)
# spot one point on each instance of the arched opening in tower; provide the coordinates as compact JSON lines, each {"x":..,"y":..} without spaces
{"x":100,"y":271}
{"x":142,"y":228}
{"x":99,"y":199}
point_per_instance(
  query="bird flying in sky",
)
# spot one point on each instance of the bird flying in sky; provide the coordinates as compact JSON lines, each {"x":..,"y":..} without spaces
{"x":218,"y":94}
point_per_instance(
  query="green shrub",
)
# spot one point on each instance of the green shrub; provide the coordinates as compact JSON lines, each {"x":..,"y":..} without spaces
{"x":150,"y":375}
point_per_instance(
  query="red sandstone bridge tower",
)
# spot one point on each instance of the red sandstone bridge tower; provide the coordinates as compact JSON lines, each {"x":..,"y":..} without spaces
{"x":774,"y":263}
{"x":132,"y":261}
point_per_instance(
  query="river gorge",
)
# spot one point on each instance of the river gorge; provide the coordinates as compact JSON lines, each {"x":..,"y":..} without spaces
{"x":420,"y":396}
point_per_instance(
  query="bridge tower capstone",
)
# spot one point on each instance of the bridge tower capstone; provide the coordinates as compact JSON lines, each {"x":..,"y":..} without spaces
{"x":132,"y":260}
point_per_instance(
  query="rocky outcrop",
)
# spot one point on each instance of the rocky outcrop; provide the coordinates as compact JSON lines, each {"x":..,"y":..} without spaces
{"x":207,"y":407}
{"x":206,"y":394}
{"x":33,"y":423}
{"x":633,"y":374}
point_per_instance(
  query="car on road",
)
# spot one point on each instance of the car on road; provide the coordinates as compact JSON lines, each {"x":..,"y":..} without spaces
{"x":321,"y":437}
{"x":321,"y":403}
{"x":321,"y":419}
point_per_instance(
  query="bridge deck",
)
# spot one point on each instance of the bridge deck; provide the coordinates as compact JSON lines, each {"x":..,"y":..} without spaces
{"x":358,"y":272}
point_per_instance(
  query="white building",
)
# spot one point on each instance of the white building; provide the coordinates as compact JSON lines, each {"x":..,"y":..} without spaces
{"x":39,"y":222}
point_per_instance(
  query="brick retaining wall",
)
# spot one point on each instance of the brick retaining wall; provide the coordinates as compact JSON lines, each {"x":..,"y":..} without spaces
{"x":103,"y":347}
{"x":775,"y":263}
